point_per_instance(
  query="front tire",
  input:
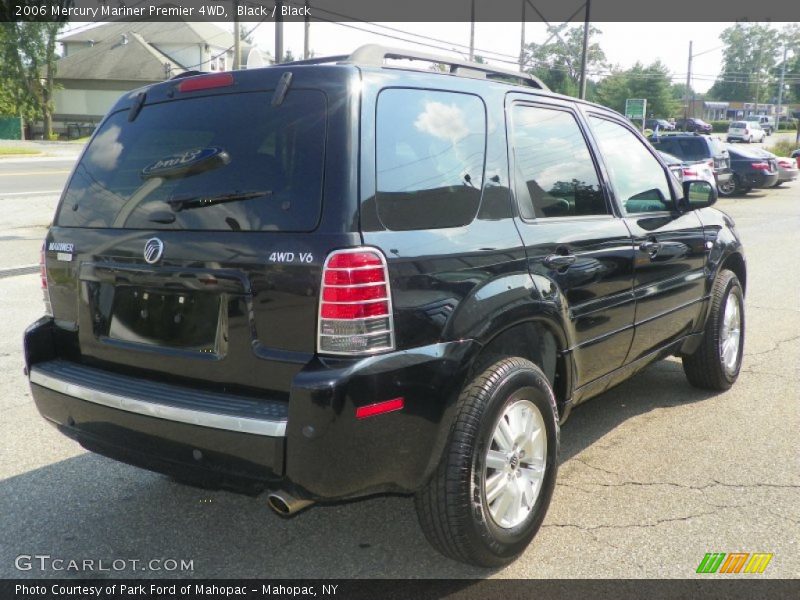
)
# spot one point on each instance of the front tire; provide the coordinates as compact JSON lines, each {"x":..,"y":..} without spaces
{"x":716,"y":363}
{"x":490,"y":493}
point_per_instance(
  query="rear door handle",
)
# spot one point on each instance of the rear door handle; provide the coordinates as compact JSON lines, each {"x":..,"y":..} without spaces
{"x":559,"y":261}
{"x":650,"y":247}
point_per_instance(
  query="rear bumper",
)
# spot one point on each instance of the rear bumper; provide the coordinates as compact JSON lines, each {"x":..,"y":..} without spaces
{"x":759,"y":179}
{"x":313,"y":443}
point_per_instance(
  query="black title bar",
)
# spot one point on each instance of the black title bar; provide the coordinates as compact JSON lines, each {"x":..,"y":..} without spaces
{"x":552,"y":11}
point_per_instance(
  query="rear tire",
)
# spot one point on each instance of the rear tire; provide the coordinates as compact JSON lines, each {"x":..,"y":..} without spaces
{"x":727,"y":188}
{"x":716,"y":363}
{"x":490,"y":492}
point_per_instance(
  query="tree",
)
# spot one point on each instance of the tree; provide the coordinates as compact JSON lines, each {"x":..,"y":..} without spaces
{"x":749,"y":60}
{"x":288,"y":57}
{"x":28,"y":65}
{"x":557,"y":62}
{"x":652,"y":82}
{"x":790,"y":38}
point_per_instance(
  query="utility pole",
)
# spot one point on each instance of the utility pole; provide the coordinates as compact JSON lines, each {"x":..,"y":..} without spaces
{"x":306,"y":33}
{"x":758,"y":79}
{"x":472,"y":31}
{"x":237,"y":37}
{"x":585,"y":52}
{"x":780,"y":90}
{"x":278,"y":32}
{"x":688,"y":84}
{"x":522,"y":40}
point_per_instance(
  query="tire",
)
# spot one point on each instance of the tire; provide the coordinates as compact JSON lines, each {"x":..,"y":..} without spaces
{"x":710,"y":367}
{"x":452,"y":507}
{"x":728,"y":188}
{"x":738,"y":187}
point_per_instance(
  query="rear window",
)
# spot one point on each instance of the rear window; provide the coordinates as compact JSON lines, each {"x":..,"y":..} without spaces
{"x":738,"y":125}
{"x":227,"y":162}
{"x":689,"y":148}
{"x":430,"y":149}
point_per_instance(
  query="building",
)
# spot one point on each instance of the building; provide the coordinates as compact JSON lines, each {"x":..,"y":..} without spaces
{"x":710,"y":110}
{"x":100,"y":64}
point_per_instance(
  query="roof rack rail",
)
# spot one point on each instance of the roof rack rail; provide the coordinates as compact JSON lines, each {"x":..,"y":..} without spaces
{"x":375,"y":55}
{"x":186,"y":74}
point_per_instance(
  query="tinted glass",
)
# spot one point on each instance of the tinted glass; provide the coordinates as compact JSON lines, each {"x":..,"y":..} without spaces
{"x":225,"y":162}
{"x":554,"y":175}
{"x":430,"y":149}
{"x":738,"y":125}
{"x":638,"y":178}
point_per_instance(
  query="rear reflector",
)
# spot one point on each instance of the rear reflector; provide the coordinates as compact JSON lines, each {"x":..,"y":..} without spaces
{"x":205,"y":82}
{"x":379,"y":408}
{"x":48,"y":308}
{"x":355,"y":308}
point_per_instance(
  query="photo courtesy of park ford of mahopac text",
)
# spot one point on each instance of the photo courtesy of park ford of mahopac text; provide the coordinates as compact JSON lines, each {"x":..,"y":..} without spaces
{"x":371,"y":299}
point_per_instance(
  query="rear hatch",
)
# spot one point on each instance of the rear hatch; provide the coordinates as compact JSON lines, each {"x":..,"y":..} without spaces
{"x":189,"y":242}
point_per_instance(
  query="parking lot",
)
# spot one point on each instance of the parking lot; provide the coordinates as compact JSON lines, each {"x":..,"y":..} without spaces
{"x":654,"y":473}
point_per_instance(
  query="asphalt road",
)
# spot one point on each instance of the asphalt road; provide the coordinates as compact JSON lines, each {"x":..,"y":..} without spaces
{"x":653,"y":474}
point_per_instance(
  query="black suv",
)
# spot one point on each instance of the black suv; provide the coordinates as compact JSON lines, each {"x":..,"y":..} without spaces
{"x":693,"y":147}
{"x":341,"y":277}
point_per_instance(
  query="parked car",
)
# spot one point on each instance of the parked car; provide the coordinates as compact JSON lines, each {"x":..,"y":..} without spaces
{"x":689,"y":170}
{"x":787,"y":168}
{"x":315,"y":280}
{"x":752,"y":170}
{"x":765,"y":122}
{"x":661,"y":124}
{"x":692,"y":125}
{"x":692,"y":148}
{"x":674,"y":164}
{"x":745,"y":131}
{"x":796,"y":155}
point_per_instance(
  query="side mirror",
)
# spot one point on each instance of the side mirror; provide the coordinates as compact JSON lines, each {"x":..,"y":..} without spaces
{"x":698,"y":193}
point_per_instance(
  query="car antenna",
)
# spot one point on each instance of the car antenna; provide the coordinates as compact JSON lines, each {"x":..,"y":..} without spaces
{"x":281,"y":89}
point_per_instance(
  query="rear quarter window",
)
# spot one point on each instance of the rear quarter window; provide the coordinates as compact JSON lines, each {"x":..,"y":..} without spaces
{"x":430,"y":152}
{"x":227,"y":162}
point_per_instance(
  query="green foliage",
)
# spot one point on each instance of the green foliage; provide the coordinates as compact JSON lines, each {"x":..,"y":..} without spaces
{"x":749,"y":60}
{"x":652,"y":82}
{"x":783,"y":147}
{"x":27,"y":68}
{"x":557,"y":62}
{"x":719,"y":126}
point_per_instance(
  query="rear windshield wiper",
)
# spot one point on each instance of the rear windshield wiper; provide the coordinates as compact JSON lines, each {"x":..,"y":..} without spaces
{"x":179,"y":204}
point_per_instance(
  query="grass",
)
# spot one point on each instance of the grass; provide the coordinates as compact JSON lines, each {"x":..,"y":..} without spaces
{"x":13,"y":150}
{"x":783,"y":147}
{"x":81,"y":140}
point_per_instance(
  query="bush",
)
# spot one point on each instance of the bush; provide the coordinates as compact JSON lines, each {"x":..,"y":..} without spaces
{"x":720,"y":126}
{"x":783,"y":148}
{"x":784,"y":126}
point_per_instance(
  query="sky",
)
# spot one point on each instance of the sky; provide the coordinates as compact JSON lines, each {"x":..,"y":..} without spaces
{"x":623,"y":43}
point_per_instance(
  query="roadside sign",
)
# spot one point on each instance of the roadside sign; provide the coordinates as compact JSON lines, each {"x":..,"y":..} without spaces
{"x":636,"y":108}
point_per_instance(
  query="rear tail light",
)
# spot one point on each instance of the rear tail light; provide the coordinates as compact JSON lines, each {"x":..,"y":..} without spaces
{"x":48,"y":308}
{"x":760,"y":166}
{"x":355,"y":307}
{"x":786,"y":164}
{"x":689,"y":173}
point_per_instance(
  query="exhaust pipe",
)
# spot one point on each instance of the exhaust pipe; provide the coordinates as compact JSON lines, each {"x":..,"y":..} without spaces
{"x":287,"y":504}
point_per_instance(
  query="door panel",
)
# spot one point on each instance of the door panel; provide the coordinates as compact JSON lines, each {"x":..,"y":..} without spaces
{"x":669,"y":245}
{"x":580,"y":254}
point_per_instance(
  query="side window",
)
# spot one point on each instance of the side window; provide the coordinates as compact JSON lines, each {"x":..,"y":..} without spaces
{"x":430,"y":150}
{"x":638,"y":178}
{"x":554,"y":175}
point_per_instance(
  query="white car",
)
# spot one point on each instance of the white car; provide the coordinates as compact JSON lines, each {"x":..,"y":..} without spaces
{"x":746,"y":131}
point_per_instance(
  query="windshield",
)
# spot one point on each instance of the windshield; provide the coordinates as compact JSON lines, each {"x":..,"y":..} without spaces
{"x":224,"y":162}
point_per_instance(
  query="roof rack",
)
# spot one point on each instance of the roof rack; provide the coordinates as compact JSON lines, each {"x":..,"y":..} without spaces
{"x":375,"y":55}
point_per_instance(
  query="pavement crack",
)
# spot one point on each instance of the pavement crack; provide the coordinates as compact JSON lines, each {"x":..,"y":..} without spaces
{"x":630,"y":525}
{"x":775,"y":346}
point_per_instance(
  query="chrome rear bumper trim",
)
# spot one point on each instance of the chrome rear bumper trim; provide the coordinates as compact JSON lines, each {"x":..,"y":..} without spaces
{"x":159,"y":411}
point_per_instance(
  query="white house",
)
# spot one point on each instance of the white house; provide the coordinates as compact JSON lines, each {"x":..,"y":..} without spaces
{"x":101,"y":63}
